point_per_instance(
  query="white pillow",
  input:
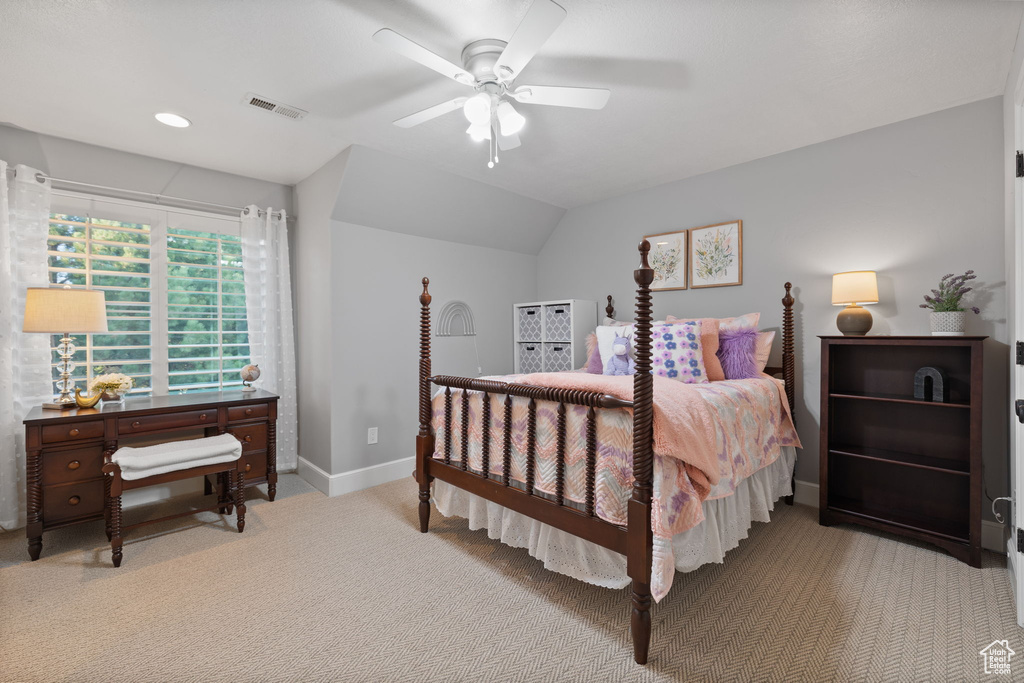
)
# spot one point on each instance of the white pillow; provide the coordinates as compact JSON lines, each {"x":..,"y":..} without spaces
{"x":606,"y":335}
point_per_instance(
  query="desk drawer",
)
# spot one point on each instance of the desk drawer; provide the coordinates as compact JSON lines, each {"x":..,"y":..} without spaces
{"x":248,"y":412}
{"x":72,"y":464}
{"x":253,"y":437}
{"x":68,"y":501}
{"x":255,"y":466}
{"x":152,"y":423}
{"x":73,"y":431}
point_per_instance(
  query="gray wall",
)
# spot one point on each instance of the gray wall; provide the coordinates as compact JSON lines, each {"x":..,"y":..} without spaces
{"x":371,"y":225}
{"x":377,"y":275}
{"x":912,"y":200}
{"x":391,"y":193}
{"x":62,"y":158}
{"x":315,"y":281}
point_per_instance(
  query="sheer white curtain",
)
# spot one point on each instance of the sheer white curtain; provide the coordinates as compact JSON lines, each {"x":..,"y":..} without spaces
{"x":24,"y":358}
{"x":268,"y":300}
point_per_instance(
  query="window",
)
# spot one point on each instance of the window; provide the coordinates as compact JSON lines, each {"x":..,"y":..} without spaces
{"x":174,"y":287}
{"x":113,"y":256}
{"x":207,"y":338}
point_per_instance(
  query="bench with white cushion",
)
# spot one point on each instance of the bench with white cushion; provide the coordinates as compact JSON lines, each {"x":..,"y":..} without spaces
{"x":135,"y":467}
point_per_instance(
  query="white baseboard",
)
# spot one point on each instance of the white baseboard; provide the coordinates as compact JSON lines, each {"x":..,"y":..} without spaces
{"x":992,"y":536}
{"x":355,"y":480}
{"x":806,"y":493}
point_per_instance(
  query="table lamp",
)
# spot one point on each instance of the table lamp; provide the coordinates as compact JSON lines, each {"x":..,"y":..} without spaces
{"x":64,"y":311}
{"x":854,"y":288}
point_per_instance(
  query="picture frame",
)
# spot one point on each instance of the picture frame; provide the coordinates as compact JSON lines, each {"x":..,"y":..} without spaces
{"x":715,"y":255}
{"x":668,"y":258}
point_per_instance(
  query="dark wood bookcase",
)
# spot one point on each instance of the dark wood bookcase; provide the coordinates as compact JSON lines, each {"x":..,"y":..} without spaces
{"x":892,"y":462}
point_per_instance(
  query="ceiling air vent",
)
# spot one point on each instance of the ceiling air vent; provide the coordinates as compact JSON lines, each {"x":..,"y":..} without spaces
{"x":267,"y":104}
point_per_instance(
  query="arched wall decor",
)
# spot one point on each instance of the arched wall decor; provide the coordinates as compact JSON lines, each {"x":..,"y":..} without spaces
{"x":451,"y":312}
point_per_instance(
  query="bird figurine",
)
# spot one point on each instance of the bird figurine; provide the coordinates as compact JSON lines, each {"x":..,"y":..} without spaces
{"x":87,"y":401}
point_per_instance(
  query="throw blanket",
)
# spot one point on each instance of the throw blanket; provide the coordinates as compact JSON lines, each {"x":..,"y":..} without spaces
{"x":683,"y":425}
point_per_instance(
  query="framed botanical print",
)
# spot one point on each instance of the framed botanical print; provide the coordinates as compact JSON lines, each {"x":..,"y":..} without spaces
{"x":716,"y":255}
{"x":668,"y":259}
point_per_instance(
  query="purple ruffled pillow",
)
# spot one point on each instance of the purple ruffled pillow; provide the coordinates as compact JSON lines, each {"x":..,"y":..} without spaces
{"x":737,"y":351}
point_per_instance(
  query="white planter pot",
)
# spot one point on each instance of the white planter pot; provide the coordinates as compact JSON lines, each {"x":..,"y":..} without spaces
{"x":948,"y":323}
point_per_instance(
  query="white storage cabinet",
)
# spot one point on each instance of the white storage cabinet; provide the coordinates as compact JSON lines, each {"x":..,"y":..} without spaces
{"x":550,"y":336}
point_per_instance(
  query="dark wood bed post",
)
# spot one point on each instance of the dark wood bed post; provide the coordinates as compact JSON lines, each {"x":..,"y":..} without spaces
{"x":789,"y":367}
{"x":640,"y":537}
{"x":609,"y":310}
{"x":425,"y":439}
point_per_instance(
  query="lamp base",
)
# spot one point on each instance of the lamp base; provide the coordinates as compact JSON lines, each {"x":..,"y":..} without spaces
{"x":854,"y":321}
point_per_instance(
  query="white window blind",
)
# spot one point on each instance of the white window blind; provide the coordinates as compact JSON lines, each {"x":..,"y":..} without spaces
{"x":207,"y":340}
{"x":89,"y":251}
{"x":174,"y":288}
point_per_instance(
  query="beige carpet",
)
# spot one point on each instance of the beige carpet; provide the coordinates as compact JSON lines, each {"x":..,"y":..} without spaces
{"x":321,"y":589}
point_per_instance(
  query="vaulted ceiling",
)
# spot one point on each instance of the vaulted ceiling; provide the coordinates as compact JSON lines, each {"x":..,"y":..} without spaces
{"x":696,"y":85}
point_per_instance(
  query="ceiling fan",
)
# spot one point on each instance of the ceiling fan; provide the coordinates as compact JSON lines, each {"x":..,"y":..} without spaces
{"x":490,"y":67}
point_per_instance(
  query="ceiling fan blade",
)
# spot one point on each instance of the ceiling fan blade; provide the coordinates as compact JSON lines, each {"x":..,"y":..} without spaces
{"x":422,"y":55}
{"x":540,"y":22}
{"x":430,"y":113}
{"x":507,"y":142}
{"x":562,"y":96}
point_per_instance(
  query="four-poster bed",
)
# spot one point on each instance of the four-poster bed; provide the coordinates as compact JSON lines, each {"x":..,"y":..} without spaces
{"x":515,"y":485}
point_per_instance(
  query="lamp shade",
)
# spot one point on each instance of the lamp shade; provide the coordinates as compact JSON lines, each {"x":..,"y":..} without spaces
{"x":854,"y":287}
{"x":56,"y":310}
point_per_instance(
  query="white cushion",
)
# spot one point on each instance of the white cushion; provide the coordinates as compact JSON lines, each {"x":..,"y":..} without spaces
{"x":139,"y":463}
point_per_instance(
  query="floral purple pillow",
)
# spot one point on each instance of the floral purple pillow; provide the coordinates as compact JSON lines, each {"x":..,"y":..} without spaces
{"x":677,"y":352}
{"x":737,"y":349}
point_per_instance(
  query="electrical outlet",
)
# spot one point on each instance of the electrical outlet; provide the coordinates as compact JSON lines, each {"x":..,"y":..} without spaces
{"x":371,"y":435}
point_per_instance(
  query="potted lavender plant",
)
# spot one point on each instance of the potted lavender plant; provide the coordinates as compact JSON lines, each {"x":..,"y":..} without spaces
{"x":948,"y":316}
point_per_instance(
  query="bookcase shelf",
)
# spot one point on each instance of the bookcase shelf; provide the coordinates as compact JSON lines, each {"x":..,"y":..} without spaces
{"x":898,"y":398}
{"x":927,"y":462}
{"x":896,"y":463}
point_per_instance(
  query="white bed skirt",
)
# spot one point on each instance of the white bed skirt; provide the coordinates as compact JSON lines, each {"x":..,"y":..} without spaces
{"x":726,"y":523}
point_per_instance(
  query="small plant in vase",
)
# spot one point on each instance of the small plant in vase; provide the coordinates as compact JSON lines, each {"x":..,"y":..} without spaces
{"x":948,"y":316}
{"x":115,"y":386}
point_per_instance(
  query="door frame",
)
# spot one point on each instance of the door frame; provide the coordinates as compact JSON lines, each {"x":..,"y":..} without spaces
{"x":1015,"y":560}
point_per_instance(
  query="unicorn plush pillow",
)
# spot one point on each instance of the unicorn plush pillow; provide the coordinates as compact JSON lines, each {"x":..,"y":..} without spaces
{"x":621,"y":363}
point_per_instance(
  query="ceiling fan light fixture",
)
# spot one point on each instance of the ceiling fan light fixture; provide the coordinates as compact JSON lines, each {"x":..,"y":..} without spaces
{"x":511,"y":121}
{"x":479,"y":132}
{"x":478,"y":109}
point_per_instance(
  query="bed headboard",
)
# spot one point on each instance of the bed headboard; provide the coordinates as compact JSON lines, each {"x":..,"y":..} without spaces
{"x":788,"y":367}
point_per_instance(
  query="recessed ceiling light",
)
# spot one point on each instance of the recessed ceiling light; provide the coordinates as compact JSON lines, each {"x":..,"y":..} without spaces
{"x":173,"y":120}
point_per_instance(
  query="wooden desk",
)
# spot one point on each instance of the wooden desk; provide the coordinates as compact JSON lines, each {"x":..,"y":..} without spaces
{"x":64,"y":450}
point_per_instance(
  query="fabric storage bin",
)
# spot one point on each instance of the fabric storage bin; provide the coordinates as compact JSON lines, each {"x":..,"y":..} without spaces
{"x":558,"y":322}
{"x":557,"y":357}
{"x":529,"y":323}
{"x":530,"y":357}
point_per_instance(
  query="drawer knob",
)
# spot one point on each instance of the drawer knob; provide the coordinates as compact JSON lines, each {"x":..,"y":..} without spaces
{"x":248,"y":467}
{"x":203,"y":416}
{"x":248,"y":438}
{"x":74,"y":465}
{"x":74,"y":500}
{"x":136,"y":424}
{"x":248,"y":411}
{"x":74,"y":432}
